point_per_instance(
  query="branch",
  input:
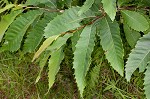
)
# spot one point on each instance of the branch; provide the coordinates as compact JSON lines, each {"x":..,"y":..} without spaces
{"x":134,"y":8}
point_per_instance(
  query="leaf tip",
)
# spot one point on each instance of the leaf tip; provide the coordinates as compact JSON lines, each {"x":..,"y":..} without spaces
{"x":128,"y":78}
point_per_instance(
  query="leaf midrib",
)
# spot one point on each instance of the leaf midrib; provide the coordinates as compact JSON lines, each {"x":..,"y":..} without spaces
{"x":131,"y":17}
{"x":113,"y":46}
{"x":144,"y":58}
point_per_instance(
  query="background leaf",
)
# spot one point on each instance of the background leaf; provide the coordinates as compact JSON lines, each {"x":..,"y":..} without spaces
{"x":86,"y":6}
{"x":132,"y":36}
{"x":147,"y":82}
{"x":18,"y":28}
{"x":135,"y":20}
{"x":49,"y":3}
{"x":6,"y":21}
{"x":35,"y":35}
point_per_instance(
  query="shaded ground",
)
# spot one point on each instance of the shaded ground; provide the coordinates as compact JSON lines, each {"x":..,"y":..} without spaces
{"x":17,"y":81}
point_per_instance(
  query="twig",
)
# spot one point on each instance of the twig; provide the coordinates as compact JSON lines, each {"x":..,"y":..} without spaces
{"x":81,"y":27}
{"x":46,"y":9}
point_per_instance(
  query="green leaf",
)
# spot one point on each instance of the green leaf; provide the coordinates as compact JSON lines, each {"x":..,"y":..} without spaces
{"x":67,"y":21}
{"x":135,"y":20}
{"x":45,"y":44}
{"x":54,"y":65}
{"x":139,"y":56}
{"x":147,"y":82}
{"x":110,"y":8}
{"x":7,"y":7}
{"x":82,"y":56}
{"x":132,"y":36}
{"x":86,"y":6}
{"x":18,"y":28}
{"x":112,"y":44}
{"x":35,"y":36}
{"x":6,"y":21}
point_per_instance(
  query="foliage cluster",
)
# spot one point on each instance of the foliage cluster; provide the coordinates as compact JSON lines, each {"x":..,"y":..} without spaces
{"x":44,"y":27}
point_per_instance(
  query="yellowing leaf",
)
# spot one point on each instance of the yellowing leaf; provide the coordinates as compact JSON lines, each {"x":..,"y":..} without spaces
{"x":57,"y":45}
{"x":45,"y":44}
